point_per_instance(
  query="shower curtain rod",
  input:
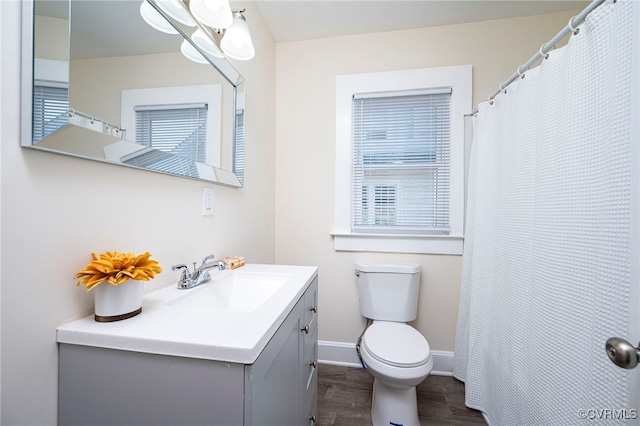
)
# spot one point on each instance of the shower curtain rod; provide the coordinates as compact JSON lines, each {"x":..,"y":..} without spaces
{"x":544,"y":49}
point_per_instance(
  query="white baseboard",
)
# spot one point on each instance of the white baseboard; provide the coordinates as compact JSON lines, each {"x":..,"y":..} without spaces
{"x":344,"y":354}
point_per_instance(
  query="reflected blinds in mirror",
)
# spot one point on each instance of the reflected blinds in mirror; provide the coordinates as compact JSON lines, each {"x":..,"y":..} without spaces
{"x":177,"y":129}
{"x":401,"y":160}
{"x":50,"y":108}
{"x":238,"y":146}
{"x":163,"y":162}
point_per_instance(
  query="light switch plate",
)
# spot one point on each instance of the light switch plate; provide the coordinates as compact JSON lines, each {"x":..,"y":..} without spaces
{"x":207,"y":201}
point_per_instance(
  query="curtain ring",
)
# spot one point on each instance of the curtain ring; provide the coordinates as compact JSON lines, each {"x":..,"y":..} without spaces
{"x":576,"y":30}
{"x":521,"y":75}
{"x":543,"y":55}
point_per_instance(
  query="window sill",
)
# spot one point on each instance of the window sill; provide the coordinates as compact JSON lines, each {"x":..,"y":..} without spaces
{"x":422,"y":244}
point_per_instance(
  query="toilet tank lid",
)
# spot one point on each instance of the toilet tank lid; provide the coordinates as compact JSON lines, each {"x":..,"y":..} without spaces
{"x":395,"y":268}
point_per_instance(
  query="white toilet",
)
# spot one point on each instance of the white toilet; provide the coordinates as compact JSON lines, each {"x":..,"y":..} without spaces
{"x":396,"y":354}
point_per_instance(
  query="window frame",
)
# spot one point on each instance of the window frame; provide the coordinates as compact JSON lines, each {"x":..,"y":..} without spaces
{"x":459,"y":79}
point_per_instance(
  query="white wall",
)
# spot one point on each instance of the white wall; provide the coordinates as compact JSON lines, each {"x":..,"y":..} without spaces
{"x":305,"y":135}
{"x":56,"y":210}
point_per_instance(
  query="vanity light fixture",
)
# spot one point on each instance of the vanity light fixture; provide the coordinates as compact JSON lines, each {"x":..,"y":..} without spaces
{"x":236,"y":42}
{"x":228,"y":32}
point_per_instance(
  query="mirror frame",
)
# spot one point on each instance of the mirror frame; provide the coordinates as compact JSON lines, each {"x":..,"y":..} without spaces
{"x":221,"y":65}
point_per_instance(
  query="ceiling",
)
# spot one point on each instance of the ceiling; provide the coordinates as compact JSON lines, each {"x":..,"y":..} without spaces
{"x":293,"y":20}
{"x":95,"y":34}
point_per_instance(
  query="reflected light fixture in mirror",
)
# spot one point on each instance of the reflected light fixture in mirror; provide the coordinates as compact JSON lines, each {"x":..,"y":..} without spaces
{"x":176,"y":11}
{"x":214,"y":13}
{"x":236,"y":40}
{"x":192,"y":53}
{"x":203,"y":41}
{"x":155,"y":19}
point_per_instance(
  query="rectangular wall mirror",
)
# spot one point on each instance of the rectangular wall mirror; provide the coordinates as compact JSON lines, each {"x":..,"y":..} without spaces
{"x":100,"y":83}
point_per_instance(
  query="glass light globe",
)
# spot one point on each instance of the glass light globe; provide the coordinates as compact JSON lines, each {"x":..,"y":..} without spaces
{"x":155,"y":19}
{"x":236,"y":42}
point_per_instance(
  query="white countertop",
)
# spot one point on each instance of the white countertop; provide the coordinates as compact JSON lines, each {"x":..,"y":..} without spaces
{"x":166,"y":329}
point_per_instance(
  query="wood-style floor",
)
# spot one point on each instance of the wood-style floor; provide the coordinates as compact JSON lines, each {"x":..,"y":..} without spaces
{"x":344,"y":399}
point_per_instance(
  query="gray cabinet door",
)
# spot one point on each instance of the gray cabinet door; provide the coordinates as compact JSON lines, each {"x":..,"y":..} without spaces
{"x":108,"y":387}
{"x":272,"y":397}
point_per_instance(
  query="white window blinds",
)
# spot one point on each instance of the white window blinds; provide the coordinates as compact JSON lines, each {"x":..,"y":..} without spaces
{"x":50,"y":109}
{"x":238,"y":146}
{"x":179,"y":129}
{"x":401,"y":160}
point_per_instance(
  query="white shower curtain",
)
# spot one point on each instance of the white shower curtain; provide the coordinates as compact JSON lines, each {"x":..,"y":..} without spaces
{"x":546,"y":266}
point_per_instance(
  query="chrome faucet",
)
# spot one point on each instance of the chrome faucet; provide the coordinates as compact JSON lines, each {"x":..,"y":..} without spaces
{"x":199,"y":275}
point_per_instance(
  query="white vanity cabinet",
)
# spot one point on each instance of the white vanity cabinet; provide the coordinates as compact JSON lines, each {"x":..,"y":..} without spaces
{"x":102,"y":386}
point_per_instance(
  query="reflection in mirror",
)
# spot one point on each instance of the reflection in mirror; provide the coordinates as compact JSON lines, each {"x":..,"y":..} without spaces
{"x":125,"y":94}
{"x":50,"y":74}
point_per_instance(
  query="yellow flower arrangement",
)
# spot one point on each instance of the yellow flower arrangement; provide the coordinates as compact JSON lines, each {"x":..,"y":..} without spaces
{"x":116,"y":267}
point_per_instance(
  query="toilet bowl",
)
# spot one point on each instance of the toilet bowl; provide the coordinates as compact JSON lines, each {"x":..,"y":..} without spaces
{"x":396,"y":354}
{"x":399,"y":358}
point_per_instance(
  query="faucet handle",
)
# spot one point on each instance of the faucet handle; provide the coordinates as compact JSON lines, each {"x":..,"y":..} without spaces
{"x":210,"y":257}
{"x":179,"y":266}
{"x":185,"y":269}
{"x":185,"y":276}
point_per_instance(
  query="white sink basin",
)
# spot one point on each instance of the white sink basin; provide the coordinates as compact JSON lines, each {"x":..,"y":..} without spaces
{"x":239,"y":291}
{"x":231,"y":318}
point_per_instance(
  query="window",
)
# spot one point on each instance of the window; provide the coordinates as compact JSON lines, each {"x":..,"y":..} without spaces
{"x":183,"y":122}
{"x":400,"y":160}
{"x":400,"y":151}
{"x":50,"y":108}
{"x":177,"y":129}
{"x":178,"y":135}
{"x":238,"y":146}
{"x":50,"y":97}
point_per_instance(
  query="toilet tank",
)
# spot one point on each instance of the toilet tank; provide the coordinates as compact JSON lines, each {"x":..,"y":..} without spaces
{"x":388,"y":292}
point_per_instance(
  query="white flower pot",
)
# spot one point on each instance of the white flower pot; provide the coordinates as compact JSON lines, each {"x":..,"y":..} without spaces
{"x":117,"y":302}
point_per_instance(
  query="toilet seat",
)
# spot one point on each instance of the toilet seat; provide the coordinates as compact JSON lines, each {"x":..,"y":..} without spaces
{"x":396,"y":344}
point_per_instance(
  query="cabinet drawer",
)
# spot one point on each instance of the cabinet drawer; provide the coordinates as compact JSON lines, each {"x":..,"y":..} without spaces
{"x":310,"y":360}
{"x":309,"y":386}
{"x":311,"y":303}
{"x":312,"y":335}
{"x":309,"y":402}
